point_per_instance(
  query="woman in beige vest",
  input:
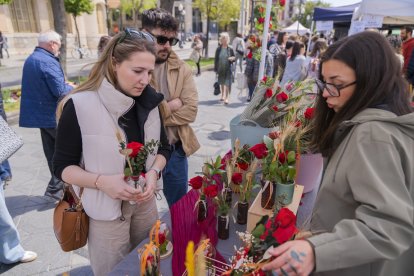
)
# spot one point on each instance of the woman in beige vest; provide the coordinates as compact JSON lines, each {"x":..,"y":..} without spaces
{"x":116,"y":100}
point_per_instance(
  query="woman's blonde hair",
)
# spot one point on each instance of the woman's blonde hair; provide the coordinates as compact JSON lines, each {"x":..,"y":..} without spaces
{"x":226,"y":36}
{"x":119,"y":49}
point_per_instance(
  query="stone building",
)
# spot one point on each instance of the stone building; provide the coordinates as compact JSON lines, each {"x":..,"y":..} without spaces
{"x":23,"y":20}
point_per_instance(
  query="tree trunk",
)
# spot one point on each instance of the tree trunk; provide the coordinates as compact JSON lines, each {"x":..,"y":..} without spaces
{"x":208,"y":34}
{"x":167,"y":5}
{"x":59,"y":20}
{"x":78,"y":36}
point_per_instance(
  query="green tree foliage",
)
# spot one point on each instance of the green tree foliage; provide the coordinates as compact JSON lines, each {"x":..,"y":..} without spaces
{"x":5,"y":2}
{"x":309,"y":7}
{"x":134,"y":7}
{"x":76,"y":8}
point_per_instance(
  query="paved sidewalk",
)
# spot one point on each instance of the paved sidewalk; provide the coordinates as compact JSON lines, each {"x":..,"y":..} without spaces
{"x":32,"y":212}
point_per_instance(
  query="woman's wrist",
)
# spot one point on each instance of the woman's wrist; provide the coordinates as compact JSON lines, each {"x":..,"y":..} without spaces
{"x":97,"y":181}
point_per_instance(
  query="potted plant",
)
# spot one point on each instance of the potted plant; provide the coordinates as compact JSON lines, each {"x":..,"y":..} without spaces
{"x":247,"y":183}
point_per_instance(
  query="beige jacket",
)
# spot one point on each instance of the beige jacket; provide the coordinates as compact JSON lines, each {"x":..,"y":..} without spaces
{"x":364,"y":207}
{"x":181,"y":85}
{"x":98,"y":114}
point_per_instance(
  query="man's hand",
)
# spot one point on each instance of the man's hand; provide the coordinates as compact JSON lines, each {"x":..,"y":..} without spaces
{"x":175,"y":104}
{"x":292,"y":258}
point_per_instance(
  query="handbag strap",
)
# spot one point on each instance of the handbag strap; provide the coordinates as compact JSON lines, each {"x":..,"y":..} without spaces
{"x":78,"y":200}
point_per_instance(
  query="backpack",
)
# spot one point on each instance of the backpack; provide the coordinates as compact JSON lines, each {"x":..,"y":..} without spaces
{"x":239,"y":49}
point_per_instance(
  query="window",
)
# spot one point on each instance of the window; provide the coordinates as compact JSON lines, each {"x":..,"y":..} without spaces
{"x":22,"y":16}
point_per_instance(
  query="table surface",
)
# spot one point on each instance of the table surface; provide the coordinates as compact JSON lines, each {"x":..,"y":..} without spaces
{"x":130,"y":264}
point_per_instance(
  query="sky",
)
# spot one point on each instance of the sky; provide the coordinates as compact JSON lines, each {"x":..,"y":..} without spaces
{"x":337,"y":3}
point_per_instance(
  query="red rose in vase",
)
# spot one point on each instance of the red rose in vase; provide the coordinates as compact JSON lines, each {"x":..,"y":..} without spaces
{"x":211,"y":191}
{"x":259,"y":150}
{"x":282,"y":3}
{"x":196,"y":182}
{"x":161,"y":238}
{"x":237,"y":178}
{"x":243,"y":166}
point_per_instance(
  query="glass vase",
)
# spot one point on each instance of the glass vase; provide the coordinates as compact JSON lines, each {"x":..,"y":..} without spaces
{"x":223,"y":227}
{"x":202,"y":209}
{"x":137,"y":183}
{"x":268,"y":194}
{"x":242,"y":210}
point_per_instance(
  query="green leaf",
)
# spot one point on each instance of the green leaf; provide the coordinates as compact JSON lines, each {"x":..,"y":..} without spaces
{"x":268,"y":142}
{"x":258,"y":231}
{"x":291,"y":158}
{"x":127,"y":172}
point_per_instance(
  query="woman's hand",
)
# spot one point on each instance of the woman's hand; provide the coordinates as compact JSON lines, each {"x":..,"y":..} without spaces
{"x":116,"y":187}
{"x":292,"y":258}
{"x":151,"y":178}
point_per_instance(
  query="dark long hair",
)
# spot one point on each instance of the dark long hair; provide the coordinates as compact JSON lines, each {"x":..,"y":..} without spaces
{"x":297,"y":46}
{"x":379,"y":82}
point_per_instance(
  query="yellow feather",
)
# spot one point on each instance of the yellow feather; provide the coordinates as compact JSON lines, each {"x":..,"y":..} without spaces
{"x":189,"y":259}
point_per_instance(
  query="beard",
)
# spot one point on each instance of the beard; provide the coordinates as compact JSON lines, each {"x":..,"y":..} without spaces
{"x":162,"y":56}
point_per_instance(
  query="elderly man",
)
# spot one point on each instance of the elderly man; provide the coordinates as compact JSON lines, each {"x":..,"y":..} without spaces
{"x":43,"y":85}
{"x":173,"y":78}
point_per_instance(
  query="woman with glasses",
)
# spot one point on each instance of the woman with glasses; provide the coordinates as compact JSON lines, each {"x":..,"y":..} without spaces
{"x":363,"y":219}
{"x":114,"y":105}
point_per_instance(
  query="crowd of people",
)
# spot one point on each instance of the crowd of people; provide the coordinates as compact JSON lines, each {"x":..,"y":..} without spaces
{"x":140,"y":90}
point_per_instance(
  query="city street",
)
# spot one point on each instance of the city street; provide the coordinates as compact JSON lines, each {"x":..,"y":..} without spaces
{"x":33,"y":212}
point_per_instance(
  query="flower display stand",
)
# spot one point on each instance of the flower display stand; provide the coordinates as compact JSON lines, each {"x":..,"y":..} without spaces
{"x":256,"y":211}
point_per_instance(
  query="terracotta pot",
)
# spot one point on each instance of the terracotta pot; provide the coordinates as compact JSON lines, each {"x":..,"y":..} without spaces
{"x":268,"y":194}
{"x":242,"y":209}
{"x":223,"y":227}
{"x":201,"y":210}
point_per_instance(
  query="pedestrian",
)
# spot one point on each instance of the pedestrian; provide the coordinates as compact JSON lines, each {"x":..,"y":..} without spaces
{"x":1,"y":44}
{"x":407,"y":44}
{"x":43,"y":85}
{"x":362,"y":224}
{"x":4,"y":45}
{"x":174,"y":79}
{"x":296,"y":66}
{"x":103,"y":41}
{"x":239,"y":47}
{"x":115,"y":101}
{"x":197,"y":47}
{"x":5,"y":170}
{"x":223,"y":61}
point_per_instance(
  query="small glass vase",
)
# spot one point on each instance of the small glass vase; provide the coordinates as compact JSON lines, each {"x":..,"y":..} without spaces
{"x":137,"y":183}
{"x":223,"y":227}
{"x":268,"y":194}
{"x":202,"y":209}
{"x":242,"y":210}
{"x":284,"y":193}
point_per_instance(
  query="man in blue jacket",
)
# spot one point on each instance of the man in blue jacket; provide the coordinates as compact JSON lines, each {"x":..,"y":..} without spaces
{"x":43,"y":85}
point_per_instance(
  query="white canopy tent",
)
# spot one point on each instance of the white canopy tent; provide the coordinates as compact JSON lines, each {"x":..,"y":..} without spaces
{"x":297,"y":28}
{"x":399,"y":12}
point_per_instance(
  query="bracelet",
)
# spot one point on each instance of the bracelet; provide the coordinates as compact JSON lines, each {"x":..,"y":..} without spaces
{"x":96,"y":182}
{"x":158,"y":171}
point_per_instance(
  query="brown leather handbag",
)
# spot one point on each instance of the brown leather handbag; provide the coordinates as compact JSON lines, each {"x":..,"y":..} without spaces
{"x":70,"y":222}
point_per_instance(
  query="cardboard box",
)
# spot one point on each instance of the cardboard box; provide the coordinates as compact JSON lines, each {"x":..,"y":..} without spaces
{"x":256,"y":211}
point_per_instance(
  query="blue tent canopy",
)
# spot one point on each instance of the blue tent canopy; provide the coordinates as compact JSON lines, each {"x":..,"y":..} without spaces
{"x":336,"y":14}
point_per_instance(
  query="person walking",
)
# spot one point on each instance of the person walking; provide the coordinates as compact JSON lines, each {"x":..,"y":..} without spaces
{"x":407,"y":45}
{"x":174,"y":79}
{"x":197,"y":47}
{"x":361,"y":224}
{"x":239,"y":47}
{"x":1,"y":44}
{"x":43,"y":85}
{"x":115,"y":103}
{"x":223,"y":62}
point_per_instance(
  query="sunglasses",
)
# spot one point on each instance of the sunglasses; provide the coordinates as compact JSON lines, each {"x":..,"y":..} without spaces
{"x":135,"y":34}
{"x":162,"y":40}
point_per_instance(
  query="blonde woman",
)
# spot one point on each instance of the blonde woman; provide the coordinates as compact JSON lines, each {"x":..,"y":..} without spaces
{"x":116,"y":100}
{"x":223,"y":61}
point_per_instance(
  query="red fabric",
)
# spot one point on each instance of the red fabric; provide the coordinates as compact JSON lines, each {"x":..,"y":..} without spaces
{"x":185,"y":228}
{"x":407,"y":49}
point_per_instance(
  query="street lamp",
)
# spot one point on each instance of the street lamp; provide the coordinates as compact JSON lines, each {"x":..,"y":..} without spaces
{"x":182,"y":16}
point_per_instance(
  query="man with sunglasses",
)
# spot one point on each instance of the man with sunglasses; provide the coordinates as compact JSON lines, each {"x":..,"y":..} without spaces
{"x":174,"y":79}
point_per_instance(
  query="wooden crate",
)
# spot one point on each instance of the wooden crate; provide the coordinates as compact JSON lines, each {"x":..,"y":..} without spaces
{"x":256,"y":211}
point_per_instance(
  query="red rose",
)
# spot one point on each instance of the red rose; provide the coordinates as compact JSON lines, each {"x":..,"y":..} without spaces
{"x":309,"y":113}
{"x":282,"y":157}
{"x":269,"y":93}
{"x":211,"y":191}
{"x":237,"y":178}
{"x":275,"y":108}
{"x":285,"y":217}
{"x":283,"y":234}
{"x":261,"y":20}
{"x":289,"y":86}
{"x":264,"y":79}
{"x":298,"y":123}
{"x":196,"y":182}
{"x":259,"y":150}
{"x":243,"y":166}
{"x":161,"y":238}
{"x":135,"y":147}
{"x":250,"y":55}
{"x":274,"y":135}
{"x":282,"y":97}
{"x":282,"y":3}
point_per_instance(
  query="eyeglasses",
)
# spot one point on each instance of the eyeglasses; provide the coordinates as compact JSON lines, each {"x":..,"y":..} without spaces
{"x":333,"y":89}
{"x":162,"y":40}
{"x":134,"y":33}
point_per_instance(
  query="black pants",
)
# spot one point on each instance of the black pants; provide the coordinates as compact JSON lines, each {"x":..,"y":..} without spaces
{"x":198,"y":66}
{"x":48,"y":136}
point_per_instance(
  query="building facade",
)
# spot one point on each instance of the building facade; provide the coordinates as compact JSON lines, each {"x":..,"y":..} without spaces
{"x":23,"y":20}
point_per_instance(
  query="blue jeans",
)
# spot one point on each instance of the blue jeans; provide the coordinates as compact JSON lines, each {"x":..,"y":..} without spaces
{"x":175,"y":176}
{"x":10,"y":251}
{"x":5,"y":171}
